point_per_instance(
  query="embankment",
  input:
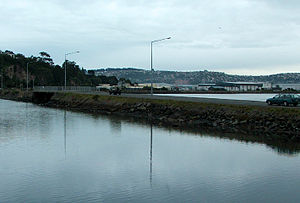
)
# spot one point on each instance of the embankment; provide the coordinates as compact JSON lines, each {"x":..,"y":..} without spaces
{"x":280,"y":124}
{"x":16,"y":95}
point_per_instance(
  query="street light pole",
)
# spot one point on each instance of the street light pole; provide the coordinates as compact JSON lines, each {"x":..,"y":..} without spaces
{"x":27,"y":76}
{"x":151,"y":68}
{"x":65,"y":72}
{"x":152,"y":42}
{"x":76,"y":52}
{"x":2,"y":79}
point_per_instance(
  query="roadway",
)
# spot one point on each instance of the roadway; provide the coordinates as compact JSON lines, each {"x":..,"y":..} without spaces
{"x":201,"y":100}
{"x":206,"y":100}
{"x":175,"y":98}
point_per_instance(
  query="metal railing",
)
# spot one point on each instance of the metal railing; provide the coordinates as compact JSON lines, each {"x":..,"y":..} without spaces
{"x":68,"y":88}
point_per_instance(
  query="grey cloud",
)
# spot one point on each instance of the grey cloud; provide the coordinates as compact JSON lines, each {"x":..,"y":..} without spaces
{"x":118,"y":32}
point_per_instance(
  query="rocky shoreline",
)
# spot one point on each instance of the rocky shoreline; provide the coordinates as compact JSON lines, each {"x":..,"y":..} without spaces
{"x":277,"y":124}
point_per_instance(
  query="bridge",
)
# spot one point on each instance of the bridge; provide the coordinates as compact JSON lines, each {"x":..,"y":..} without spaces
{"x":67,"y":89}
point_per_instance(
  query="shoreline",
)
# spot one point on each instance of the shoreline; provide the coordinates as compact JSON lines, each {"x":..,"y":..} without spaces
{"x":273,"y":124}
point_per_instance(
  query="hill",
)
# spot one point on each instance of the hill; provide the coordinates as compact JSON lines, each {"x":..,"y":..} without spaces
{"x":195,"y":77}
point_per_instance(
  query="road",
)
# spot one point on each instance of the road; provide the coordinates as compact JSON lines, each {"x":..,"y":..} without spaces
{"x":202,"y":100}
{"x":189,"y":99}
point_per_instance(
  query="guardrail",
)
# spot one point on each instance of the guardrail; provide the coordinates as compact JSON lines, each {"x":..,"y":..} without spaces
{"x":68,"y":88}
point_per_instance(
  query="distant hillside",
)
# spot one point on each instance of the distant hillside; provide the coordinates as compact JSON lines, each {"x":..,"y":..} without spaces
{"x":195,"y":77}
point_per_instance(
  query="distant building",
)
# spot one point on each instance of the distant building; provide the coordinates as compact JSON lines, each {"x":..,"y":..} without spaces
{"x":240,"y":86}
{"x":267,"y":85}
{"x":217,"y":88}
{"x":205,"y":87}
{"x":287,"y":86}
{"x":185,"y":87}
{"x":233,"y":86}
{"x":157,"y":85}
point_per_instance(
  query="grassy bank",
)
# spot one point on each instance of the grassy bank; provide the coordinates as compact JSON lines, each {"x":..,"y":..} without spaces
{"x":272,"y":122}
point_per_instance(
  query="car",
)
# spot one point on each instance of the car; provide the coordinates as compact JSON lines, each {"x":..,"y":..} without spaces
{"x":115,"y":91}
{"x":284,"y":99}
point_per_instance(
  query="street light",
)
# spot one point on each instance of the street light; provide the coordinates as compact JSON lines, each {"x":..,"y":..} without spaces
{"x":2,"y":80}
{"x":152,"y":42}
{"x":75,"y":52}
{"x":27,"y":75}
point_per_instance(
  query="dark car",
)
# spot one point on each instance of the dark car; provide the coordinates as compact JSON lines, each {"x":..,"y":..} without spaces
{"x":115,"y":91}
{"x":284,"y":99}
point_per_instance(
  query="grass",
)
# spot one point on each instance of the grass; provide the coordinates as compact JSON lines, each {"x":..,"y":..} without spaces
{"x":241,"y":109}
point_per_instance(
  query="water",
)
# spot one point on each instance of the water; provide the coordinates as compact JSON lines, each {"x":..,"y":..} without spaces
{"x":248,"y":97}
{"x":50,"y":155}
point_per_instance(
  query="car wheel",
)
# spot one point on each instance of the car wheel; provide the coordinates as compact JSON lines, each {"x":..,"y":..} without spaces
{"x":285,"y":103}
{"x":269,"y":103}
{"x":295,"y":104}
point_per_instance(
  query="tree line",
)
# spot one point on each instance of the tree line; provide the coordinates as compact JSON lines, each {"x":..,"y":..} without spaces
{"x":43,"y":72}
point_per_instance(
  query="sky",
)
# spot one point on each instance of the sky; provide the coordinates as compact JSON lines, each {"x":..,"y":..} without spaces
{"x":249,"y":37}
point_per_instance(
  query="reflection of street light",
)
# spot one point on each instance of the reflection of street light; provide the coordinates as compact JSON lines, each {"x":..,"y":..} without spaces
{"x":65,"y":132}
{"x":27,"y":76}
{"x":76,"y":52}
{"x":151,"y":143}
{"x":152,"y":42}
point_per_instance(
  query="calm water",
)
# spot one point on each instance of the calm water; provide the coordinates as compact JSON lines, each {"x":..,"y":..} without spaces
{"x":248,"y":97}
{"x":50,"y":155}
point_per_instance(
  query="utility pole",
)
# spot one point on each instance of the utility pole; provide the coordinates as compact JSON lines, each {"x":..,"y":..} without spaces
{"x":2,"y":79}
{"x":27,"y":76}
{"x":151,"y":59}
{"x":75,"y":52}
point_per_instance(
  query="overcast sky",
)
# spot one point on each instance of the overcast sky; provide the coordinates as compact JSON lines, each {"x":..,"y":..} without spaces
{"x":233,"y":36}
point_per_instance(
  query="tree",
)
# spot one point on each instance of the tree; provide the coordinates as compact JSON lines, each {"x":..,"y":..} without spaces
{"x":91,"y":72}
{"x":44,"y":54}
{"x":45,"y":57}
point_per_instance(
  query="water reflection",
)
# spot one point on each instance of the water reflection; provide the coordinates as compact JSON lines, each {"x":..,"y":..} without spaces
{"x":115,"y":125}
{"x":26,"y":118}
{"x":151,"y":141}
{"x":65,"y":132}
{"x":111,"y":159}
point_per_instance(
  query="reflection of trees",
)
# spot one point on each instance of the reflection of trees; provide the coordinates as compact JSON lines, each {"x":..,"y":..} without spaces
{"x":281,"y":146}
{"x":288,"y":150}
{"x":24,"y":119}
{"x":115,"y":124}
